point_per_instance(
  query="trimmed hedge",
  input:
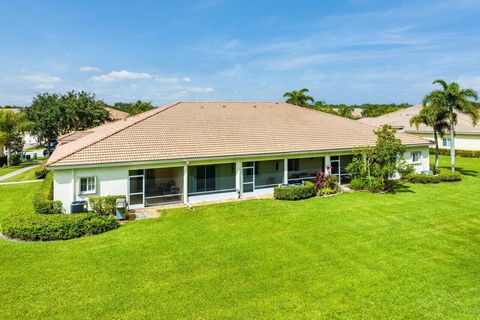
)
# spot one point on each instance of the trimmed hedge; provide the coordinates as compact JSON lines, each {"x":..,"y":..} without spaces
{"x":41,"y":172}
{"x":305,"y":191}
{"x":37,"y":227}
{"x":370,"y":184}
{"x":458,"y":152}
{"x":105,"y":205}
{"x":42,"y":200}
{"x":426,"y":178}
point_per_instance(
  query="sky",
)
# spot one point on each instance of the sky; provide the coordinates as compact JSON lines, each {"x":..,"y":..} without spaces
{"x":351,"y":52}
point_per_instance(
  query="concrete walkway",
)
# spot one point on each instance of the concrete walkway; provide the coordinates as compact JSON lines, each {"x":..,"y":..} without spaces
{"x":17,"y":172}
{"x":17,"y":182}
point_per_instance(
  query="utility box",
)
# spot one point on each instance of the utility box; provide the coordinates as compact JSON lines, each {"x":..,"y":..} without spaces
{"x":79,"y":206}
{"x":121,"y":206}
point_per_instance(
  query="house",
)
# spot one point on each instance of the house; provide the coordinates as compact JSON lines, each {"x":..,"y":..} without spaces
{"x":207,"y":151}
{"x":116,"y":114}
{"x":467,"y":136}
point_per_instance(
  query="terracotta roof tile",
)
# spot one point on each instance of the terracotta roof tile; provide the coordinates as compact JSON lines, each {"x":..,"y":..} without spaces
{"x":193,"y":130}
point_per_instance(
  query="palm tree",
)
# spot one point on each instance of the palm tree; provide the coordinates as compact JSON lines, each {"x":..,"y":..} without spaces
{"x":454,"y":99}
{"x":435,"y":116}
{"x":299,"y":97}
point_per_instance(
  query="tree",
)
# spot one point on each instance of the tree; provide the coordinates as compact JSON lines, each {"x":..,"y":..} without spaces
{"x":376,"y":165}
{"x":55,"y":114}
{"x":435,"y":116}
{"x":12,"y":127}
{"x":134,"y":108}
{"x":454,"y":99}
{"x":299,"y":98}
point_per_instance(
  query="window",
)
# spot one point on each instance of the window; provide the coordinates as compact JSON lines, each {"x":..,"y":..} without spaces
{"x":445,"y":142}
{"x":293,"y":164}
{"x":416,"y":156}
{"x":88,"y":185}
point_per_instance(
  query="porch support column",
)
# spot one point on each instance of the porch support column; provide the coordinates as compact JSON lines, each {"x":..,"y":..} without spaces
{"x":238,"y":179}
{"x":285,"y":171}
{"x":328,"y":165}
{"x":185,"y":184}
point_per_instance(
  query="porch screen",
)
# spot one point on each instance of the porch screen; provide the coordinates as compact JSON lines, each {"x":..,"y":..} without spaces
{"x":211,"y":178}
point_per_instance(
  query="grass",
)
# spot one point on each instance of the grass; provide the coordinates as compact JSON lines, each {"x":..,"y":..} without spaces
{"x":24,"y":176}
{"x":26,"y":163}
{"x":413,"y":254}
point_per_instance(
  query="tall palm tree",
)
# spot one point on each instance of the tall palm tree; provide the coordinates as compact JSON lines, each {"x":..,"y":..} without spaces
{"x":434,"y":116}
{"x":454,"y":99}
{"x":299,"y":98}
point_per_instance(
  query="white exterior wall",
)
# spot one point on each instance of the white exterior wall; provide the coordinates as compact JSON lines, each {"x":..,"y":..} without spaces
{"x":423,"y":164}
{"x":110,"y":181}
{"x":114,"y":180}
{"x":462,"y":141}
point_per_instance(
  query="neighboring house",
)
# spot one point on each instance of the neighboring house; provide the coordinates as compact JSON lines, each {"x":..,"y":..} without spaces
{"x":356,"y":112}
{"x":206,"y":151}
{"x":116,"y":114}
{"x":467,"y":136}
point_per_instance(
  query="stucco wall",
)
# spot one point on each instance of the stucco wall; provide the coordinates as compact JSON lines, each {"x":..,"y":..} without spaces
{"x":110,"y":181}
{"x":462,"y":141}
{"x":423,"y":164}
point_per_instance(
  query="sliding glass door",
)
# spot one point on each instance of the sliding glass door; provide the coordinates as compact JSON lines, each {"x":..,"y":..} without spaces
{"x":248,"y":177}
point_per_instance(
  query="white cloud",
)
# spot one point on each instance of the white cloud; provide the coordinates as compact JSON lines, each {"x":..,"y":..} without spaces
{"x":187,"y":79}
{"x":121,"y":75}
{"x":201,"y":89}
{"x":89,"y":69}
{"x":43,"y":86}
{"x":167,"y":79}
{"x":36,"y":77}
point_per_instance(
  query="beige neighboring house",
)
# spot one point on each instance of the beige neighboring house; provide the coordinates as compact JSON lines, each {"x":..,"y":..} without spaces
{"x":190,"y":152}
{"x":116,"y":114}
{"x":467,"y":136}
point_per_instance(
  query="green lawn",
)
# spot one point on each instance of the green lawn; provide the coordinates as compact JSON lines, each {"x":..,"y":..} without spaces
{"x":24,"y":176}
{"x":414,"y":254}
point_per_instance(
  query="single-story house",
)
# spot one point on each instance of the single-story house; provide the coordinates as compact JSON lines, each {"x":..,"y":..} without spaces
{"x":190,"y":152}
{"x":467,"y":136}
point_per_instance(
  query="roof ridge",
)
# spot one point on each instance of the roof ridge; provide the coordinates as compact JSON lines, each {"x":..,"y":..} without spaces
{"x":157,"y":111}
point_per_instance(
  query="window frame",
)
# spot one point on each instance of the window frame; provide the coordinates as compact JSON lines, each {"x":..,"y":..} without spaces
{"x":87,"y":192}
{"x":446,"y":142}
{"x":419,"y":160}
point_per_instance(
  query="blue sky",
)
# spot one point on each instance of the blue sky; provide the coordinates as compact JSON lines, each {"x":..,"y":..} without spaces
{"x":162,"y":51}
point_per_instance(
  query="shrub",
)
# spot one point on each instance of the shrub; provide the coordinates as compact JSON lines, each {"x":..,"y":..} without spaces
{"x":42,"y":200}
{"x":41,"y":172}
{"x":371,"y":184}
{"x":305,"y":191}
{"x":449,"y":176}
{"x":3,"y":161}
{"x":461,"y":153}
{"x":15,"y":159}
{"x":427,"y":178}
{"x":105,"y":205}
{"x":36,"y":227}
{"x":422,"y":178}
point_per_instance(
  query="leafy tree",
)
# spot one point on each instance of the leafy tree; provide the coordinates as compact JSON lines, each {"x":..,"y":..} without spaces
{"x":436,"y":116}
{"x":299,"y":98}
{"x":55,"y":114}
{"x":134,"y":108}
{"x":12,"y":127}
{"x":378,"y":164}
{"x":454,"y":100}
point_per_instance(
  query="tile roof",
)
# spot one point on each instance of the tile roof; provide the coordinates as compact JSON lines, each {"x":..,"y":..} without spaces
{"x":401,"y":119}
{"x":194,"y":130}
{"x":116,"y":114}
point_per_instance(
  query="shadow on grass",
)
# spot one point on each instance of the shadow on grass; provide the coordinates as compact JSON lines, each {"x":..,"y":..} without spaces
{"x":465,"y":172}
{"x":402,"y":188}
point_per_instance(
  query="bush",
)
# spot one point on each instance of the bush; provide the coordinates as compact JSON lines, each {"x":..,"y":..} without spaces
{"x":371,"y":184}
{"x":42,"y":200}
{"x":41,"y":172}
{"x":3,"y":161}
{"x":449,"y":177}
{"x":428,"y":178}
{"x":36,"y":227}
{"x":305,"y":191}
{"x":104,"y":206}
{"x":461,"y":153}
{"x":15,"y":159}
